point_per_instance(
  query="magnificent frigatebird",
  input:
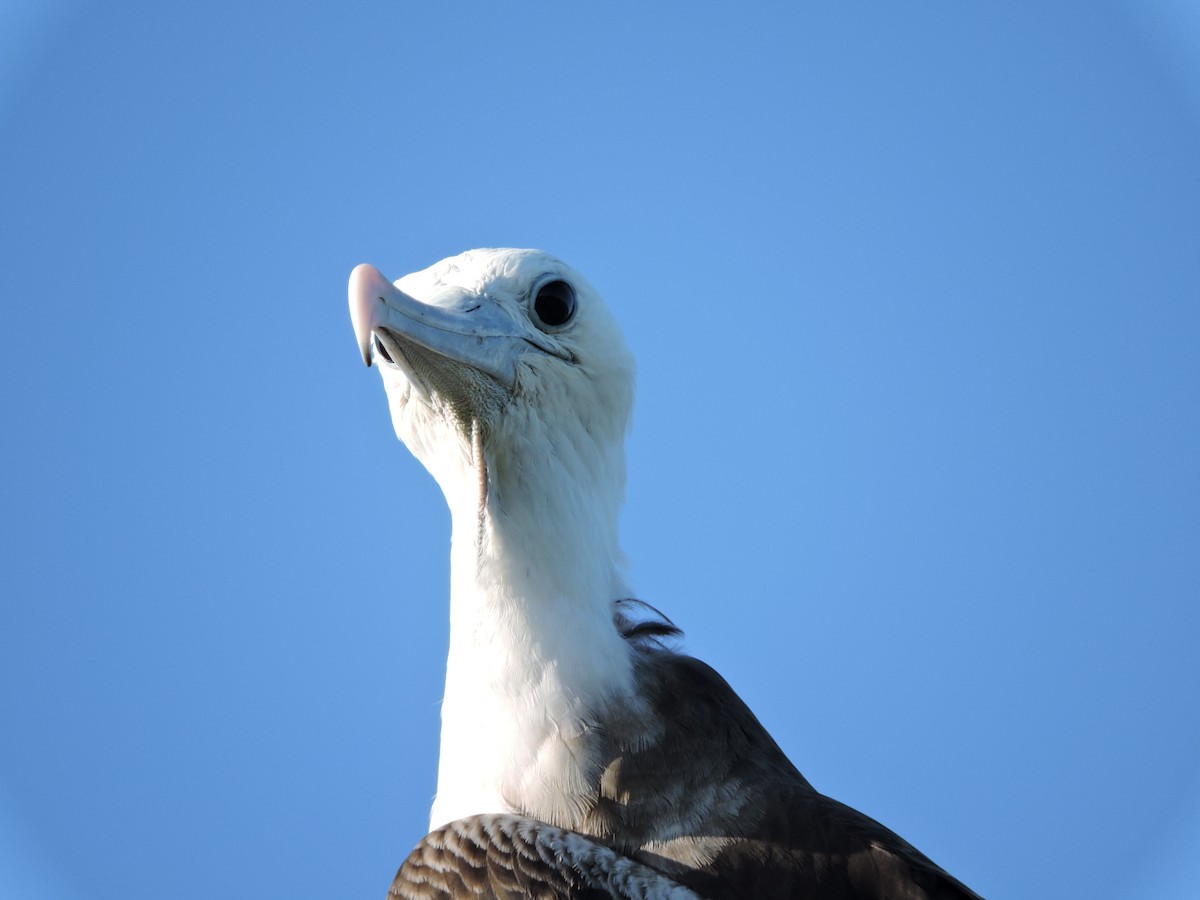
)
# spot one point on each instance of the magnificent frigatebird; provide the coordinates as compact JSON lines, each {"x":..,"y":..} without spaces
{"x":582,"y":756}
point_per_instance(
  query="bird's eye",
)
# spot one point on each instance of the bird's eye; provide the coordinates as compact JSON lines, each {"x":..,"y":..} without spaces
{"x":554,"y":304}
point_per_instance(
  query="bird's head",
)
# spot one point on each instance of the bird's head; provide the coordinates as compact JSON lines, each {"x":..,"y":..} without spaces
{"x":509,"y":349}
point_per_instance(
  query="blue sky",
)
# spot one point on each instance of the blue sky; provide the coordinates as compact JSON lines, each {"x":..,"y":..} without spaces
{"x":915,"y":295}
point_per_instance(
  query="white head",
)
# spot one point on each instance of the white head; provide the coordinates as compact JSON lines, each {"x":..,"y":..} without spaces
{"x":517,"y":347}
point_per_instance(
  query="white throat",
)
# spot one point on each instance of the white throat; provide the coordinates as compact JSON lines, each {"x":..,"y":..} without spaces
{"x":534,"y":656}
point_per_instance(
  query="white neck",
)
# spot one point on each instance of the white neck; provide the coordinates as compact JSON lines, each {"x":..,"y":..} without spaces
{"x":535,"y":567}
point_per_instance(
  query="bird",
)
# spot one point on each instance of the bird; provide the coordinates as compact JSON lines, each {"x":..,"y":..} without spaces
{"x":582,"y":753}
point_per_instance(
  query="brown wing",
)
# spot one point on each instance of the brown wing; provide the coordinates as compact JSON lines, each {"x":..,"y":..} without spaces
{"x":714,"y":802}
{"x":503,"y":857}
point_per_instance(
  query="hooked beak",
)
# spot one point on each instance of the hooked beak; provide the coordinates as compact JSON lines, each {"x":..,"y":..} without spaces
{"x":472,"y":331}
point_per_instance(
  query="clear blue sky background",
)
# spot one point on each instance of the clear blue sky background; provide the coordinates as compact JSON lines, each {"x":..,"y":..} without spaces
{"x":915,"y":291}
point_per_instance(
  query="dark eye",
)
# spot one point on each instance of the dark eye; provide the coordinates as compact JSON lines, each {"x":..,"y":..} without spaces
{"x":554,"y":304}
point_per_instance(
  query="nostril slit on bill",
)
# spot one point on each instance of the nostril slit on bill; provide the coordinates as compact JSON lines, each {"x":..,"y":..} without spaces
{"x":382,"y":351}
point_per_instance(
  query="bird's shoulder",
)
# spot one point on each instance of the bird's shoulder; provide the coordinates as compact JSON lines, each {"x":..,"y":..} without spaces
{"x":710,"y":797}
